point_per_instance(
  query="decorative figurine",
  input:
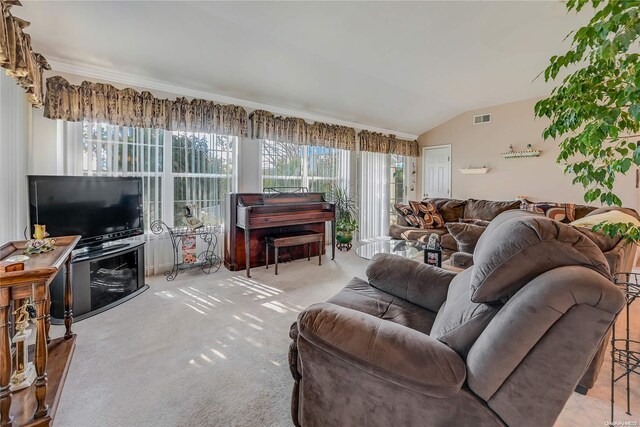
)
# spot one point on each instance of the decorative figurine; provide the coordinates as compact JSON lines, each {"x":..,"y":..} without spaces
{"x":192,"y":221}
{"x":433,"y":252}
{"x":25,"y":372}
{"x":40,"y":242}
{"x":434,"y":241}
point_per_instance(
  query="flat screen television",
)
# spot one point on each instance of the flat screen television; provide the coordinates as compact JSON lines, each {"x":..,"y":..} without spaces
{"x":100,"y":209}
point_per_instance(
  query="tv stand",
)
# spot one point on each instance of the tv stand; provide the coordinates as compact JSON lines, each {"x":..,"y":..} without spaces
{"x":103,"y":247}
{"x":103,"y":277}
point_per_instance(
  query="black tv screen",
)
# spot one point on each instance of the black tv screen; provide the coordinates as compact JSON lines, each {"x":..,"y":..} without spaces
{"x":97,"y":208}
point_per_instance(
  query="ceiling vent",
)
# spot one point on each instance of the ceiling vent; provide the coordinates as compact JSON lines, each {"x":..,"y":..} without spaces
{"x":482,"y":119}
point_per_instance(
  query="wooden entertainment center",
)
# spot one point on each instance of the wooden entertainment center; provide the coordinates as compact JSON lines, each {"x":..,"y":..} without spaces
{"x":37,"y":404}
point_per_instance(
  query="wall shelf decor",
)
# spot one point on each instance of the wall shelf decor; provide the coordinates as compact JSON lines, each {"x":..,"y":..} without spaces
{"x":474,"y":171}
{"x":529,"y":152}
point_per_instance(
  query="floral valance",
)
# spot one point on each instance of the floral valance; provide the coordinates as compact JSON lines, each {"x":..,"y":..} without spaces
{"x":334,"y":136}
{"x":98,"y":102}
{"x":379,"y":143}
{"x":266,"y":125}
{"x":16,"y":55}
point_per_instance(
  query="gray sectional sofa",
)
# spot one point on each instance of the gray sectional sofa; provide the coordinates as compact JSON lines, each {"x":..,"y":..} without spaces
{"x":503,"y":343}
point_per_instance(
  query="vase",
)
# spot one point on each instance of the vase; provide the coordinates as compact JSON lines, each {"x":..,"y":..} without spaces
{"x":344,"y":236}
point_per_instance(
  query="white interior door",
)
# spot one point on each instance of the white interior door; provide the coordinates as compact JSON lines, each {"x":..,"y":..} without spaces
{"x":436,"y":171}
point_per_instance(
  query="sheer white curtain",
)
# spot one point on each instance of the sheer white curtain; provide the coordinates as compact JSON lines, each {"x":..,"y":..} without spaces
{"x":177,"y":168}
{"x":14,"y":137}
{"x":97,"y":149}
{"x":374,"y":195}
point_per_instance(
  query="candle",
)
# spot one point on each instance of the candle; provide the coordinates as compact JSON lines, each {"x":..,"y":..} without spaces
{"x":40,"y":231}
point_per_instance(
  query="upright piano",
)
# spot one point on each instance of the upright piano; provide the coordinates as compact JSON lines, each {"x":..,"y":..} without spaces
{"x":253,"y":216}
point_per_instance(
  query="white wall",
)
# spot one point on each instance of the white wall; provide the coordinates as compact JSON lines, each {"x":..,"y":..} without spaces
{"x":249,"y":171}
{"x":44,"y":157}
{"x":15,"y":117}
{"x":540,"y":178}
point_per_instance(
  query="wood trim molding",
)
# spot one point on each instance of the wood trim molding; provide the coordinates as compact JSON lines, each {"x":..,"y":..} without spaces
{"x":99,"y":73}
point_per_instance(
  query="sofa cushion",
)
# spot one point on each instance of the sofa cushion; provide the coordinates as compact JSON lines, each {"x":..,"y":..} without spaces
{"x":466,"y":235}
{"x":361,"y":296}
{"x":461,"y":260}
{"x":487,"y":209}
{"x":460,"y":321}
{"x":417,"y":282}
{"x":563,"y":212}
{"x":447,"y":242}
{"x":518,"y":246}
{"x":450,"y":209}
{"x":427,"y":214}
{"x":603,"y":241}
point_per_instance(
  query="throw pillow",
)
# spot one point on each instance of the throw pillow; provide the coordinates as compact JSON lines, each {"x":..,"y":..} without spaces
{"x":613,"y":215}
{"x":427,"y":214}
{"x":604,"y":242}
{"x":466,"y":235}
{"x":561,"y":212}
{"x":407,"y":213}
{"x":450,"y":209}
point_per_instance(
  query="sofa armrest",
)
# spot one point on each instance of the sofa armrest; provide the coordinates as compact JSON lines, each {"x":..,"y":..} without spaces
{"x":621,"y":257}
{"x":461,"y":259}
{"x":385,"y":349}
{"x":416,"y":282}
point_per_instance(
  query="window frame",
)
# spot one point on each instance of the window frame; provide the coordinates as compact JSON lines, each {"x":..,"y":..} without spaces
{"x":166,"y":175}
{"x":305,"y":177}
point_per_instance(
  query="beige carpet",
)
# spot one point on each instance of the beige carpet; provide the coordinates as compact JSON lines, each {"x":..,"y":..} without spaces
{"x":211,"y":350}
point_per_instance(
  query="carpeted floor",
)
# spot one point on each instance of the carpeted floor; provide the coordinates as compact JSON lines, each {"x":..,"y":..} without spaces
{"x":211,"y":350}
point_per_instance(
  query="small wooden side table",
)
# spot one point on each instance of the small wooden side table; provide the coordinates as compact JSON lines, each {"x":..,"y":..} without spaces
{"x":36,"y":405}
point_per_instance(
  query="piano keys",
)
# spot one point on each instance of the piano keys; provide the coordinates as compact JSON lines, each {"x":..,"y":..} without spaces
{"x":253,"y":216}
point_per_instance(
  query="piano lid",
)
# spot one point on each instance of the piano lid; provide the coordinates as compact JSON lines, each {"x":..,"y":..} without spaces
{"x":298,"y":195}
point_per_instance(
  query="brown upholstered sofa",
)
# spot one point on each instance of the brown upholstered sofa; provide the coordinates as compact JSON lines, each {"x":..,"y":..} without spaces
{"x":619,"y":253}
{"x":502,"y":343}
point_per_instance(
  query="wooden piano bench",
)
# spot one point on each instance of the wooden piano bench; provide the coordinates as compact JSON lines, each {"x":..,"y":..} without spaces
{"x":294,"y":239}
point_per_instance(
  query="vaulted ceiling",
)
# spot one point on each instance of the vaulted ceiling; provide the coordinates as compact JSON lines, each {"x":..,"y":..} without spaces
{"x":401,"y":66}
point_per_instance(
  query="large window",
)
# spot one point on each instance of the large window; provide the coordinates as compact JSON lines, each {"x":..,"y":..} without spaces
{"x":194,"y":168}
{"x":202,"y":174}
{"x":292,"y":165}
{"x":121,"y":151}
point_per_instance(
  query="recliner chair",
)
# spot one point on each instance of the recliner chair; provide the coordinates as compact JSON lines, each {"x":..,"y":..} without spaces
{"x":502,"y":343}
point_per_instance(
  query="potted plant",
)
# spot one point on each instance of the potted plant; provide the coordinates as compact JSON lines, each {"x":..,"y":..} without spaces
{"x":346,"y":214}
{"x":595,"y":111}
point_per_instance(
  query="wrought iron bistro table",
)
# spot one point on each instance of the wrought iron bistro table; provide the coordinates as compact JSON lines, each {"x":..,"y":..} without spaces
{"x":207,"y":260}
{"x":625,"y":352}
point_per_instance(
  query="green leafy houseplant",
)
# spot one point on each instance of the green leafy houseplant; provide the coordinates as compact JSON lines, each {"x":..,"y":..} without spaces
{"x":596,"y":109}
{"x":346,"y":213}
